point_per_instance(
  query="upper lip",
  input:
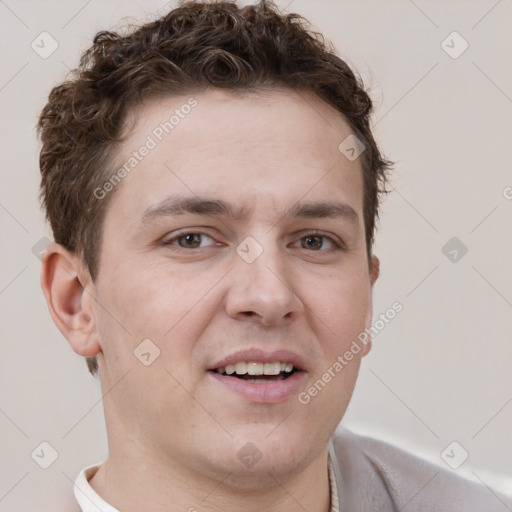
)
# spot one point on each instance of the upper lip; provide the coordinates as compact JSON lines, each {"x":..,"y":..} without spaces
{"x":260,"y":356}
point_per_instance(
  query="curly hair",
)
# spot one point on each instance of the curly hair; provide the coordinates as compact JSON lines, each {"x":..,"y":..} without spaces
{"x":197,"y":46}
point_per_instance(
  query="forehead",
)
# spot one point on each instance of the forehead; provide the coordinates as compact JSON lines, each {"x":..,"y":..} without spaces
{"x":271,"y":145}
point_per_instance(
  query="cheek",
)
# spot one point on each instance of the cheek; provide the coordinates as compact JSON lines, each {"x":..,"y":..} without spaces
{"x":340,"y":315}
{"x":144,"y":298}
{"x":342,"y":304}
{"x":170,"y":309}
{"x":341,"y":309}
{"x":154,"y":302}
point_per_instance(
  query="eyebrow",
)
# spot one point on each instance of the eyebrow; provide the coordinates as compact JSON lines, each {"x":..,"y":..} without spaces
{"x":179,"y":205}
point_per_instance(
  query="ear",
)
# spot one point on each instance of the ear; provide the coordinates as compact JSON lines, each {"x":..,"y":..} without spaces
{"x":70,"y":295}
{"x":374,"y":270}
{"x":374,"y":274}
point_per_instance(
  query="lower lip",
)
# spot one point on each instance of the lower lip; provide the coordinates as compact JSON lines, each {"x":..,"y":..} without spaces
{"x":263,"y":392}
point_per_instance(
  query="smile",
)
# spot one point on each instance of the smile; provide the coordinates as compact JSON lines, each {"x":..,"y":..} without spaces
{"x":264,"y":372}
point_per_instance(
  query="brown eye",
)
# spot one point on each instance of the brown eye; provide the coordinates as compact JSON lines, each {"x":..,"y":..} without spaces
{"x":312,"y":242}
{"x":319,"y":242}
{"x":191,"y":240}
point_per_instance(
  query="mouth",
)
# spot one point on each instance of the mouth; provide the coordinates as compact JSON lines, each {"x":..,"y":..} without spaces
{"x":258,"y":376}
{"x":260,"y":373}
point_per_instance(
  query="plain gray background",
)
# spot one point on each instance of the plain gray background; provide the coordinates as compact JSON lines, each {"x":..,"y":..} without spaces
{"x":440,"y":371}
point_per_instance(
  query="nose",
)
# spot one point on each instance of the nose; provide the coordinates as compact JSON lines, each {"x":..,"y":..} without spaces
{"x":263,"y":291}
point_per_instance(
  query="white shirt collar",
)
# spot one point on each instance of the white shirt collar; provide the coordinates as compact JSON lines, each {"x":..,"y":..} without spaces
{"x":90,"y":501}
{"x":86,"y":496}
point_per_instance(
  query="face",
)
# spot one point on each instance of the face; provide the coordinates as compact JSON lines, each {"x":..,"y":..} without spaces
{"x":237,"y":243}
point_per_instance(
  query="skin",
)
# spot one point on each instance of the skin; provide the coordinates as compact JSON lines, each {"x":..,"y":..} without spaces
{"x":174,"y":433}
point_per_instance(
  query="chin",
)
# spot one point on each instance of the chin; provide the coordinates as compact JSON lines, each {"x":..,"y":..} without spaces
{"x":256,"y":458}
{"x":267,"y":472}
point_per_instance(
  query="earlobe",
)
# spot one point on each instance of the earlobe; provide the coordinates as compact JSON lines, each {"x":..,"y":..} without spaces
{"x":366,"y":348}
{"x":374,"y":269}
{"x":374,"y":274}
{"x":365,"y":337}
{"x":68,"y":291}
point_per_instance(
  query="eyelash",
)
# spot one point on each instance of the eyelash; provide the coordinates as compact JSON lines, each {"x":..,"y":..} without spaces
{"x":169,"y":242}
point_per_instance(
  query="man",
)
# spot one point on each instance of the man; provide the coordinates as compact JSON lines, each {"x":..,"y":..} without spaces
{"x":212,"y":184}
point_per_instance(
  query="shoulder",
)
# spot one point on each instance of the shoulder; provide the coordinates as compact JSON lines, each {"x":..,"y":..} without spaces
{"x":380,"y":476}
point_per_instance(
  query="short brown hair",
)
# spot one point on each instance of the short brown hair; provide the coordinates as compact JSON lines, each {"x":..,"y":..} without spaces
{"x":196,"y":46}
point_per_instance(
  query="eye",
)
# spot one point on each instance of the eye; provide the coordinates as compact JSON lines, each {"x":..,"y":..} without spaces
{"x":190,"y":240}
{"x":318,"y":242}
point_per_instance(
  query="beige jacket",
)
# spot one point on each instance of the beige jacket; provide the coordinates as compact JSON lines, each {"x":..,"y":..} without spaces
{"x":376,"y":476}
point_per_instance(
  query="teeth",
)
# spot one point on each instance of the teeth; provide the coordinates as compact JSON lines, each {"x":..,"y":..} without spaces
{"x":272,"y":368}
{"x":241,"y":368}
{"x":254,"y":368}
